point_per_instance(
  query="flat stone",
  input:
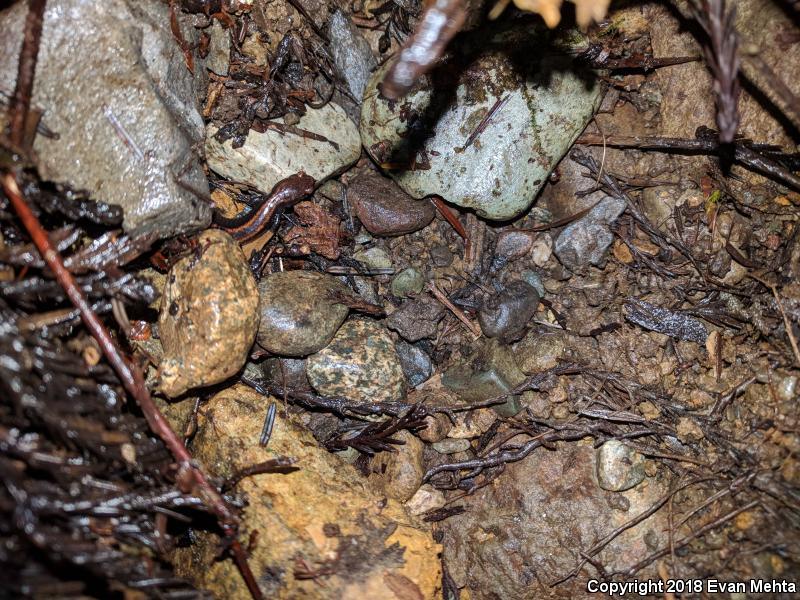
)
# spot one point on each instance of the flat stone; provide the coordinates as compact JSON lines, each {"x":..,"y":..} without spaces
{"x":425,"y":499}
{"x":619,"y":467}
{"x":107,"y":70}
{"x":209,"y":316}
{"x":299,"y":313}
{"x":359,"y":363}
{"x":452,"y":445}
{"x":269,"y":157}
{"x":351,"y":53}
{"x":386,"y":210}
{"x":374,"y":257}
{"x":541,"y":101}
{"x":587,"y":240}
{"x":219,"y":49}
{"x":416,"y":319}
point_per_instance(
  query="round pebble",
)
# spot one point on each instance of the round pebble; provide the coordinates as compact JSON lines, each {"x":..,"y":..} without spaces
{"x":619,"y":467}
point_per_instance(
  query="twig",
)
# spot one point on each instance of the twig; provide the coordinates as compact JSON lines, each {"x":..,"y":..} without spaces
{"x":439,"y":295}
{"x":449,"y":216}
{"x":786,"y":323}
{"x":26,"y":69}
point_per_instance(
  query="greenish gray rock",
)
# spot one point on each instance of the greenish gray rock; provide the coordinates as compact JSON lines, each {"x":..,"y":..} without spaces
{"x":408,"y":282}
{"x":374,"y":258}
{"x":269,"y":157}
{"x":299,"y":311}
{"x":541,"y":103}
{"x":619,"y":467}
{"x":451,"y":446}
{"x":359,"y":363}
{"x":490,"y":372}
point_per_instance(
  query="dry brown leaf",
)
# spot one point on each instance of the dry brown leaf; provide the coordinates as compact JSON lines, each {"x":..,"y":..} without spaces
{"x":321,"y":231}
{"x":586,"y":11}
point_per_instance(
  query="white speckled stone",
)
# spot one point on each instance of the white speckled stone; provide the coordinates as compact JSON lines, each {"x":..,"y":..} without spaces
{"x":267,"y":158}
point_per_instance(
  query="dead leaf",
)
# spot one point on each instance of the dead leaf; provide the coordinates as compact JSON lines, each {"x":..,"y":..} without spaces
{"x":320,"y":230}
{"x":402,"y":587}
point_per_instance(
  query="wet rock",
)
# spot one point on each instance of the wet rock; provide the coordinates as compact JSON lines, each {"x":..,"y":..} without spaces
{"x":269,"y":157}
{"x":400,"y":473}
{"x":87,"y":96}
{"x":299,"y":311}
{"x":490,"y":372}
{"x":360,"y":363}
{"x":500,"y":172}
{"x":513,"y":244}
{"x":540,"y":351}
{"x":619,"y":467}
{"x":209,"y":316}
{"x":452,"y":445}
{"x":561,"y":512}
{"x":385,"y":209}
{"x":219,"y":49}
{"x":374,"y":257}
{"x":533,"y":279}
{"x":416,"y":364}
{"x":425,"y":499}
{"x":587,"y":240}
{"x":505,"y":315}
{"x":325,"y":509}
{"x":408,"y":282}
{"x":286,"y":373}
{"x":416,"y":319}
{"x":351,"y":53}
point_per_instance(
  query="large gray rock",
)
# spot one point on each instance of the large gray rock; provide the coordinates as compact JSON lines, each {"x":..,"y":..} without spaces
{"x":541,"y":101}
{"x":105,"y":67}
{"x":269,"y":157}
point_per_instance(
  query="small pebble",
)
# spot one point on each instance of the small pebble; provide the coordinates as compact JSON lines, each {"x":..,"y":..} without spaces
{"x":513,"y":244}
{"x":533,"y":279}
{"x":401,"y":472}
{"x":441,"y":256}
{"x":416,"y":319}
{"x":360,"y":363}
{"x":408,"y":282}
{"x":386,"y":210}
{"x":416,"y":364}
{"x":587,"y":240}
{"x":426,"y":499}
{"x":219,"y":49}
{"x":298,"y":314}
{"x":374,"y":257}
{"x":452,"y":445}
{"x":619,"y":467}
{"x":505,"y":315}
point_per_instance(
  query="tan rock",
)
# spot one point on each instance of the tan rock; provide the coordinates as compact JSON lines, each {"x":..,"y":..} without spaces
{"x":323,"y":517}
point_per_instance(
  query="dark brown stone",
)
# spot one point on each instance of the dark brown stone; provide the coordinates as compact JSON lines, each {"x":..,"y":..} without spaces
{"x":384,"y":208}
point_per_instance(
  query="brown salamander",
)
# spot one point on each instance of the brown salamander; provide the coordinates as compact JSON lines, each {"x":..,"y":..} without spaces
{"x":251,"y":222}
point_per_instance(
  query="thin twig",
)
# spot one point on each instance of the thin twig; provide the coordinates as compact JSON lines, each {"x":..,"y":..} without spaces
{"x":439,"y":295}
{"x":26,"y":69}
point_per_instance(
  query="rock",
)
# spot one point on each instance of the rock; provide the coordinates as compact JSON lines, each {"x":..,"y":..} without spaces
{"x":541,"y":100}
{"x":400,"y":473}
{"x":558,"y":511}
{"x":325,"y":510}
{"x":471,"y":424}
{"x":384,"y":209}
{"x":436,"y":428}
{"x":416,"y":364}
{"x":219,"y":49}
{"x":416,"y":319}
{"x":269,"y":157}
{"x":286,"y":372}
{"x":506,"y":314}
{"x":299,"y":311}
{"x":513,"y":244}
{"x":542,"y":250}
{"x":586,"y":241}
{"x":374,"y":257}
{"x":408,"y":282}
{"x":533,"y":279}
{"x":351,"y":53}
{"x":360,"y":363}
{"x":426,"y":498}
{"x":441,"y":256}
{"x":490,"y":372}
{"x":452,"y":445}
{"x":539,"y":351}
{"x":209,"y":316}
{"x":619,"y":467}
{"x":87,"y":98}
